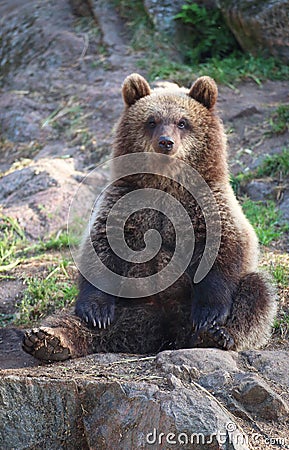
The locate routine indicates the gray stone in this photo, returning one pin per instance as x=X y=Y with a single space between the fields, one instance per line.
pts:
x=112 y=31
x=142 y=414
x=162 y=13
x=284 y=208
x=24 y=35
x=122 y=401
x=222 y=374
x=23 y=183
x=274 y=365
x=258 y=398
x=40 y=413
x=39 y=196
x=259 y=190
x=77 y=405
x=246 y=112
x=259 y=25
x=82 y=8
x=204 y=361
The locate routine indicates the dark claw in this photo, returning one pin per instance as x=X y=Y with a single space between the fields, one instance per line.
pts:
x=96 y=312
x=212 y=336
x=221 y=337
x=204 y=317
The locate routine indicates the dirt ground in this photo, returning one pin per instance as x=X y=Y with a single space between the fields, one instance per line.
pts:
x=61 y=97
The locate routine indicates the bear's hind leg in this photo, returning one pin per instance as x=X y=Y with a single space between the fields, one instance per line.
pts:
x=139 y=328
x=250 y=320
x=253 y=311
x=59 y=338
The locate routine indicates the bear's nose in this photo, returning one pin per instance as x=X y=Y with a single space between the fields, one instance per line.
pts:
x=166 y=143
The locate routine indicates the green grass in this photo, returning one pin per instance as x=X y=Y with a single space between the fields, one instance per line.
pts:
x=239 y=66
x=237 y=181
x=281 y=325
x=230 y=70
x=207 y=34
x=273 y=165
x=59 y=241
x=279 y=121
x=265 y=219
x=41 y=296
x=15 y=248
x=45 y=296
x=12 y=238
x=6 y=319
x=280 y=273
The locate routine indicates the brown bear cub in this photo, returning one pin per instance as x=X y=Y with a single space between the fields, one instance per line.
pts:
x=232 y=307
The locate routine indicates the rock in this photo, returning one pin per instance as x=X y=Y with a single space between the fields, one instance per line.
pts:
x=25 y=37
x=23 y=184
x=206 y=362
x=40 y=413
x=284 y=208
x=39 y=196
x=247 y=112
x=142 y=414
x=178 y=399
x=222 y=374
x=100 y=402
x=273 y=365
x=162 y=14
x=113 y=33
x=11 y=353
x=259 y=25
x=259 y=189
x=82 y=8
x=258 y=398
x=16 y=37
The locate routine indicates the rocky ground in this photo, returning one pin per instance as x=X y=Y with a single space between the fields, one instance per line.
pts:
x=60 y=99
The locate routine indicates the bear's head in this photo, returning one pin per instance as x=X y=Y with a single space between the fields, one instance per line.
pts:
x=174 y=121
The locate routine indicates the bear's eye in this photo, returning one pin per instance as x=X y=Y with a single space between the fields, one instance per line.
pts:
x=182 y=124
x=152 y=123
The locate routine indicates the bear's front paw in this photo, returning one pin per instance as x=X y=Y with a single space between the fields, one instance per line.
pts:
x=205 y=316
x=48 y=344
x=96 y=312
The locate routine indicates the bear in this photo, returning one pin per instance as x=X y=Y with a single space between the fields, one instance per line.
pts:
x=232 y=307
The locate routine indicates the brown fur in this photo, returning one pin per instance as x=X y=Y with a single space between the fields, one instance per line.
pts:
x=234 y=306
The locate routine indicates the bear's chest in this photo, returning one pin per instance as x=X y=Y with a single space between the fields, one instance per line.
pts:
x=172 y=219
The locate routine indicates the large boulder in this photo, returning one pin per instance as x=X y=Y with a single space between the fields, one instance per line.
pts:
x=40 y=195
x=259 y=25
x=190 y=399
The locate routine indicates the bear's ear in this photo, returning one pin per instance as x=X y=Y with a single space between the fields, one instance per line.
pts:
x=134 y=88
x=205 y=91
